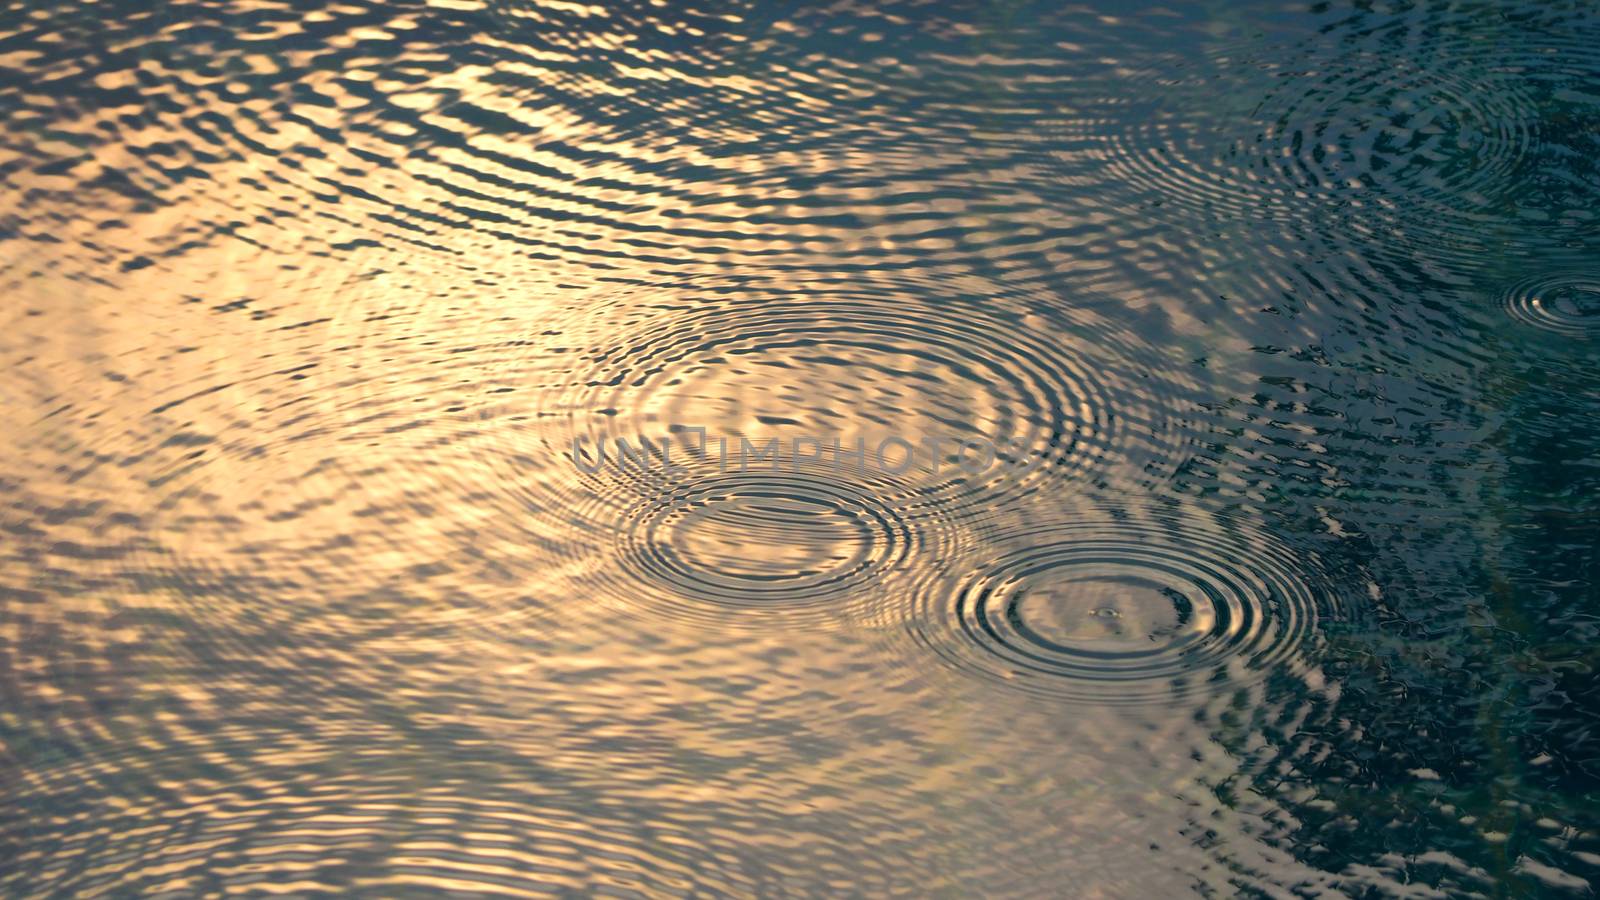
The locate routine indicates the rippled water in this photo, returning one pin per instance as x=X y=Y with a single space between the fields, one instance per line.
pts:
x=1255 y=553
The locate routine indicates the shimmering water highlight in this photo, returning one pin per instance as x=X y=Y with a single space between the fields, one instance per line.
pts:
x=1279 y=316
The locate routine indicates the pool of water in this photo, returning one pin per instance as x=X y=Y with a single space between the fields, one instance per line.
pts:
x=642 y=448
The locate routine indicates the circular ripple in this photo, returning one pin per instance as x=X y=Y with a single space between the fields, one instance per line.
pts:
x=1567 y=304
x=1057 y=396
x=1426 y=144
x=809 y=546
x=1115 y=611
x=1403 y=130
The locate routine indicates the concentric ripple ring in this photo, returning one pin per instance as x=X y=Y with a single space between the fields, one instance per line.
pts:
x=1087 y=403
x=1111 y=611
x=1567 y=304
x=1422 y=148
x=805 y=547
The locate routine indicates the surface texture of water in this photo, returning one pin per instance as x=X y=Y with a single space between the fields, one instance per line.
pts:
x=1280 y=322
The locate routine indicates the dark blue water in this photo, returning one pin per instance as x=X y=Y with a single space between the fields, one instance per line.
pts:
x=845 y=449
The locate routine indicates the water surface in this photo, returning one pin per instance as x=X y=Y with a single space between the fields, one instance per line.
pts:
x=1280 y=321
